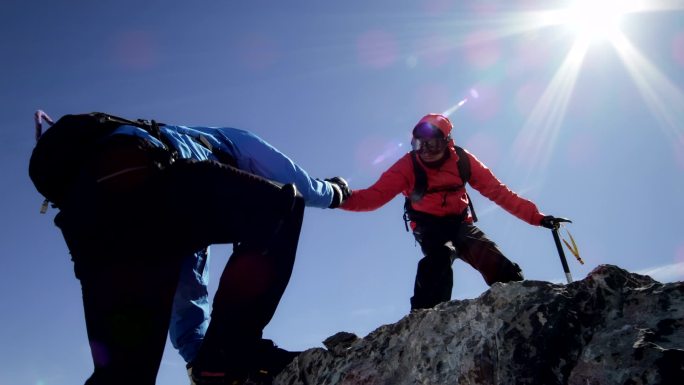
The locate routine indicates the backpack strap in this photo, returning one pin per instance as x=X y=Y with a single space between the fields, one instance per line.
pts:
x=153 y=128
x=420 y=187
x=463 y=164
x=222 y=156
x=464 y=171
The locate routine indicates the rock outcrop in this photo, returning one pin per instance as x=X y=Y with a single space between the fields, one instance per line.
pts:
x=613 y=327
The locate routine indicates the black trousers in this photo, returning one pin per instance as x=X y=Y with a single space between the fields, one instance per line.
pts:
x=441 y=241
x=128 y=236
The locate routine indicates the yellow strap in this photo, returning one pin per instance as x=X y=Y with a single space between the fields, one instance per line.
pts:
x=573 y=248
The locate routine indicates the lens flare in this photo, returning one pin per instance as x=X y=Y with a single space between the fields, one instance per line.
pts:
x=136 y=50
x=660 y=95
x=483 y=49
x=679 y=154
x=377 y=49
x=489 y=102
x=455 y=107
x=258 y=52
x=390 y=152
x=678 y=49
x=595 y=20
x=535 y=142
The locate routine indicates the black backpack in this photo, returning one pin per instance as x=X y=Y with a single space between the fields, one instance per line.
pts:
x=420 y=188
x=63 y=151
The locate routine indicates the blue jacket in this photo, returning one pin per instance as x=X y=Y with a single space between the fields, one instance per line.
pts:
x=251 y=153
x=191 y=308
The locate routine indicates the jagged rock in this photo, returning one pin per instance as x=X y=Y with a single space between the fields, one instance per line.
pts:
x=613 y=327
x=338 y=343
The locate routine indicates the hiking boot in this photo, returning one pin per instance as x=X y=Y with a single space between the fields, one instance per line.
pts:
x=258 y=365
x=270 y=360
x=200 y=376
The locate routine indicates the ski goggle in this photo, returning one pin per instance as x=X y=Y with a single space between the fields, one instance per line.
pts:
x=431 y=145
x=427 y=130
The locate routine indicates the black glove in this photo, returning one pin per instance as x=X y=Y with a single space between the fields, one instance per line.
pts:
x=548 y=221
x=341 y=191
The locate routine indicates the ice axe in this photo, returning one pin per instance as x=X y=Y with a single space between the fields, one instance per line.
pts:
x=561 y=254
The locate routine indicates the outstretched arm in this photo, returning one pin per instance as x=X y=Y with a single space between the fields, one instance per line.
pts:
x=255 y=155
x=398 y=178
x=484 y=181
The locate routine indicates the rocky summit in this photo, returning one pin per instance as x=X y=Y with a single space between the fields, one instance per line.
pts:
x=613 y=327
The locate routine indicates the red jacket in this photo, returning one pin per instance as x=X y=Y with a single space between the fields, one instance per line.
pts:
x=400 y=178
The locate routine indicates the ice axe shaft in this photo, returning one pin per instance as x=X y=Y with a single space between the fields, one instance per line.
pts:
x=561 y=254
x=559 y=246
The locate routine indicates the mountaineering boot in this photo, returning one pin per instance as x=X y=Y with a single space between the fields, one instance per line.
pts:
x=270 y=360
x=265 y=362
x=216 y=372
x=202 y=377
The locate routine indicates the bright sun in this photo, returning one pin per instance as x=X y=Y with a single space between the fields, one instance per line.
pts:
x=592 y=20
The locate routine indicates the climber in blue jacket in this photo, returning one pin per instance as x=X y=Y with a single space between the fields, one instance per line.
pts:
x=138 y=230
x=191 y=307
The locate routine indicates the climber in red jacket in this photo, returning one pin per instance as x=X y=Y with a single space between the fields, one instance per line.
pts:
x=433 y=180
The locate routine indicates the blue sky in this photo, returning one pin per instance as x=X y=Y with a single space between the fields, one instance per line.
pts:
x=586 y=121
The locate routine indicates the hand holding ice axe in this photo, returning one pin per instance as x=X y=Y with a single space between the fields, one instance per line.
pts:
x=554 y=224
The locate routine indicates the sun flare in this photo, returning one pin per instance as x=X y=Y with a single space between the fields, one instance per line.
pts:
x=596 y=20
x=592 y=20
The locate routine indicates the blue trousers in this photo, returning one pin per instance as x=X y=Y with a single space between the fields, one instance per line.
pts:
x=191 y=307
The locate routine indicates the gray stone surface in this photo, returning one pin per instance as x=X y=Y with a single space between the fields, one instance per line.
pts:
x=613 y=327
